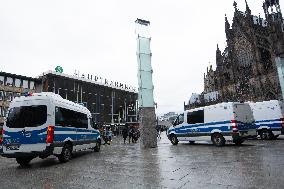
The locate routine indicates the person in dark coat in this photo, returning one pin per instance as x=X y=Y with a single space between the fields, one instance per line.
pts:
x=130 y=133
x=125 y=133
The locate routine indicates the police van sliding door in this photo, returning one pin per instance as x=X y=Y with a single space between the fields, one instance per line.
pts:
x=82 y=130
x=65 y=126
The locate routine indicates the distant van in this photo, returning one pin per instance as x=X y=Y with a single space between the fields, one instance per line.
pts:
x=218 y=123
x=269 y=118
x=45 y=124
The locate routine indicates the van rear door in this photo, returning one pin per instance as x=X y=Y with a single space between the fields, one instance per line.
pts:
x=26 y=127
x=244 y=117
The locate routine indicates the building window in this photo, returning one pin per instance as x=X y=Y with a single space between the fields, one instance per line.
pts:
x=17 y=82
x=17 y=95
x=3 y=111
x=9 y=96
x=1 y=80
x=32 y=85
x=1 y=95
x=25 y=84
x=9 y=81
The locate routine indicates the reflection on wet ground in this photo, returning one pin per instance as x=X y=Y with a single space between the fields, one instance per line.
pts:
x=256 y=164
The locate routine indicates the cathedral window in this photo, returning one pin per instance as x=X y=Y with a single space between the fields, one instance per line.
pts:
x=244 y=56
x=243 y=51
x=265 y=58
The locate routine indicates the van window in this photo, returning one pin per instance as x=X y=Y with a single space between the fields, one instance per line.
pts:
x=27 y=116
x=195 y=117
x=180 y=119
x=69 y=118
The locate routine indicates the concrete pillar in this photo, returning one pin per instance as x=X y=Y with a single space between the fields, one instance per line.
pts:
x=280 y=70
x=147 y=116
x=147 y=122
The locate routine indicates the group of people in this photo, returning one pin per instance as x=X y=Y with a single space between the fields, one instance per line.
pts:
x=131 y=132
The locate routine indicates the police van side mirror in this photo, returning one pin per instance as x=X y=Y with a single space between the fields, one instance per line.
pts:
x=174 y=122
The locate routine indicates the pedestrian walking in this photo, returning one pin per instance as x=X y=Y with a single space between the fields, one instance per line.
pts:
x=109 y=135
x=106 y=136
x=130 y=133
x=136 y=135
x=158 y=128
x=125 y=133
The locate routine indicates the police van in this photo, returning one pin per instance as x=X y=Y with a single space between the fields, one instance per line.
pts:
x=218 y=123
x=44 y=124
x=269 y=118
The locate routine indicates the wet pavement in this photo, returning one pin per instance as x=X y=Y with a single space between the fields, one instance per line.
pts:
x=256 y=164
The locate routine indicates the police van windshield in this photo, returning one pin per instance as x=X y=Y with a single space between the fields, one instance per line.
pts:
x=26 y=116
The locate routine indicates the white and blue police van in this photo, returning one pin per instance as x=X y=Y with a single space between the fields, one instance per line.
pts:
x=269 y=118
x=231 y=121
x=44 y=124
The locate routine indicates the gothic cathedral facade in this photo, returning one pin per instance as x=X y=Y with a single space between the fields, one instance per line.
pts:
x=246 y=69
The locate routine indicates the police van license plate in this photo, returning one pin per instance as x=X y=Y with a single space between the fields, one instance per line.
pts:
x=13 y=147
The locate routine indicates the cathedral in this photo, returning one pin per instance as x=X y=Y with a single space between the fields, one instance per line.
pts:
x=246 y=69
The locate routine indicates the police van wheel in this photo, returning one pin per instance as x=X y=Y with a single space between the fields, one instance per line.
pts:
x=66 y=153
x=174 y=140
x=24 y=161
x=97 y=148
x=191 y=142
x=218 y=139
x=266 y=134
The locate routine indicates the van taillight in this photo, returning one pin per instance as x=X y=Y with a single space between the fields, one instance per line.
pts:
x=234 y=125
x=50 y=134
x=282 y=122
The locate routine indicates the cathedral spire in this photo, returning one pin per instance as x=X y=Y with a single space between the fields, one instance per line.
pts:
x=248 y=11
x=227 y=24
x=235 y=5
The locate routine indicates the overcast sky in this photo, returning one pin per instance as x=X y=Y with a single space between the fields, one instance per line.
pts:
x=98 y=37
